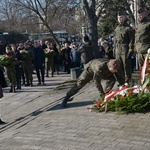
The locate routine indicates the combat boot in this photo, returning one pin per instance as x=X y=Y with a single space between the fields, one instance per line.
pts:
x=64 y=102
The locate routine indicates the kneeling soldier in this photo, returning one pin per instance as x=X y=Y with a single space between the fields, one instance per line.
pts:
x=97 y=70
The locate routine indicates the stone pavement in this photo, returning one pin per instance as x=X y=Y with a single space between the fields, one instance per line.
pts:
x=35 y=121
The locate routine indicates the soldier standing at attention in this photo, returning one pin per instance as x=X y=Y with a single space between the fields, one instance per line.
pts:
x=10 y=70
x=18 y=66
x=27 y=64
x=124 y=45
x=142 y=40
x=97 y=70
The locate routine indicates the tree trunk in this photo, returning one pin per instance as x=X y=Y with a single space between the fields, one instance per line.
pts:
x=94 y=36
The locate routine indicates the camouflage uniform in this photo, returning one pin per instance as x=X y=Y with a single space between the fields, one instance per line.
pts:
x=97 y=70
x=11 y=74
x=27 y=67
x=124 y=45
x=142 y=40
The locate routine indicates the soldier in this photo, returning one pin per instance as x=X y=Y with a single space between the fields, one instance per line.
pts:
x=49 y=60
x=124 y=44
x=10 y=70
x=27 y=64
x=142 y=40
x=18 y=66
x=97 y=69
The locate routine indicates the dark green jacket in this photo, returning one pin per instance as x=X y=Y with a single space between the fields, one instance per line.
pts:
x=124 y=38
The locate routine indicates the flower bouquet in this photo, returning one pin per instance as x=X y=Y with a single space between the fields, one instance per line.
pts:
x=25 y=55
x=126 y=98
x=49 y=53
x=6 y=60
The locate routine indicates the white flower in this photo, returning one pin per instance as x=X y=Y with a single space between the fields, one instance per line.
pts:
x=126 y=84
x=148 y=51
x=136 y=91
x=123 y=93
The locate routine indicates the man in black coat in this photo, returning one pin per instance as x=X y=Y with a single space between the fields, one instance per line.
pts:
x=39 y=62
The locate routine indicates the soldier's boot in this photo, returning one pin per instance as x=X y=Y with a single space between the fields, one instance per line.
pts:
x=13 y=89
x=64 y=102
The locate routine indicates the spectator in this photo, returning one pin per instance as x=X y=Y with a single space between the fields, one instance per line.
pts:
x=76 y=56
x=39 y=62
x=101 y=48
x=86 y=50
x=66 y=55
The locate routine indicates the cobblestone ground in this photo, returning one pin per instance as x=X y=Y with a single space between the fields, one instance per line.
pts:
x=35 y=121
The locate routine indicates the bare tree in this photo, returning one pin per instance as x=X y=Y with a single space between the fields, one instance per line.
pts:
x=46 y=10
x=93 y=10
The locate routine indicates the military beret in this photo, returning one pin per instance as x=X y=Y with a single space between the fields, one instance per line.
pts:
x=121 y=13
x=141 y=10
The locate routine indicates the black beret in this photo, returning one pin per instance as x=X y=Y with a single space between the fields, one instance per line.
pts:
x=141 y=10
x=121 y=13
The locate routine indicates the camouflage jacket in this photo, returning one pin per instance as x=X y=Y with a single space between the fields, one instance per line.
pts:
x=142 y=40
x=124 y=38
x=98 y=68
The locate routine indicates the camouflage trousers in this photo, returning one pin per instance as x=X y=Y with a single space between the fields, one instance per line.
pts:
x=11 y=74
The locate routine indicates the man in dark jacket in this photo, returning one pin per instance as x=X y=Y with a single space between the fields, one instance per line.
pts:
x=66 y=54
x=97 y=70
x=142 y=40
x=39 y=62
